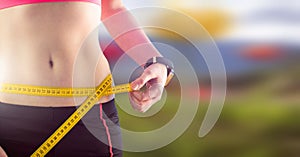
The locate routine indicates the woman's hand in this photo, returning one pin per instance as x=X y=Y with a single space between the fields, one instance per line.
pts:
x=153 y=78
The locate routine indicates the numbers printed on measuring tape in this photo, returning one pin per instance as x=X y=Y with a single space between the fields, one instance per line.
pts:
x=58 y=92
x=94 y=94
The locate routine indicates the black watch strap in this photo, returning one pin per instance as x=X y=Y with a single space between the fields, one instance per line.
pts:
x=164 y=61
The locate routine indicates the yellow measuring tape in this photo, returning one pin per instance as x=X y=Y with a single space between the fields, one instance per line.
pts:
x=104 y=88
x=57 y=91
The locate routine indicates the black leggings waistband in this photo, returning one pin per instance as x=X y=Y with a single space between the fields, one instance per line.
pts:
x=47 y=113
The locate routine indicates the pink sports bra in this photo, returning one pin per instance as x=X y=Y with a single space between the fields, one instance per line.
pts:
x=12 y=3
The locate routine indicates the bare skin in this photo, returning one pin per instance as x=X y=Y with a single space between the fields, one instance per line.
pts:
x=36 y=48
x=2 y=153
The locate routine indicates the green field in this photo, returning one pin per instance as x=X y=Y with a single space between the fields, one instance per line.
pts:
x=258 y=120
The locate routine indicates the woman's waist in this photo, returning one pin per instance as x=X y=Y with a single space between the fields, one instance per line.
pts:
x=46 y=97
x=44 y=101
x=79 y=75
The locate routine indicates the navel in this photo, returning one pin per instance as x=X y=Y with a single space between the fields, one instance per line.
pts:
x=51 y=63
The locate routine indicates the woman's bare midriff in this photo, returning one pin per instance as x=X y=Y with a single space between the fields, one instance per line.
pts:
x=51 y=44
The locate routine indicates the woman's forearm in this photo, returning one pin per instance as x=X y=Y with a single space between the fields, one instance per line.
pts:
x=128 y=35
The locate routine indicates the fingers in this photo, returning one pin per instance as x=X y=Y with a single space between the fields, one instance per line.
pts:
x=156 y=73
x=142 y=101
x=142 y=106
x=142 y=80
x=154 y=77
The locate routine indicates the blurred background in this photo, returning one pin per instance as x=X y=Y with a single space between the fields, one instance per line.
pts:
x=259 y=41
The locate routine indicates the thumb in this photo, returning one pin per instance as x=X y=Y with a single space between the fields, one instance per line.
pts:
x=142 y=80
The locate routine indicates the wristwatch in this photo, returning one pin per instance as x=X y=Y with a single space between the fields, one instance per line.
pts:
x=169 y=65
